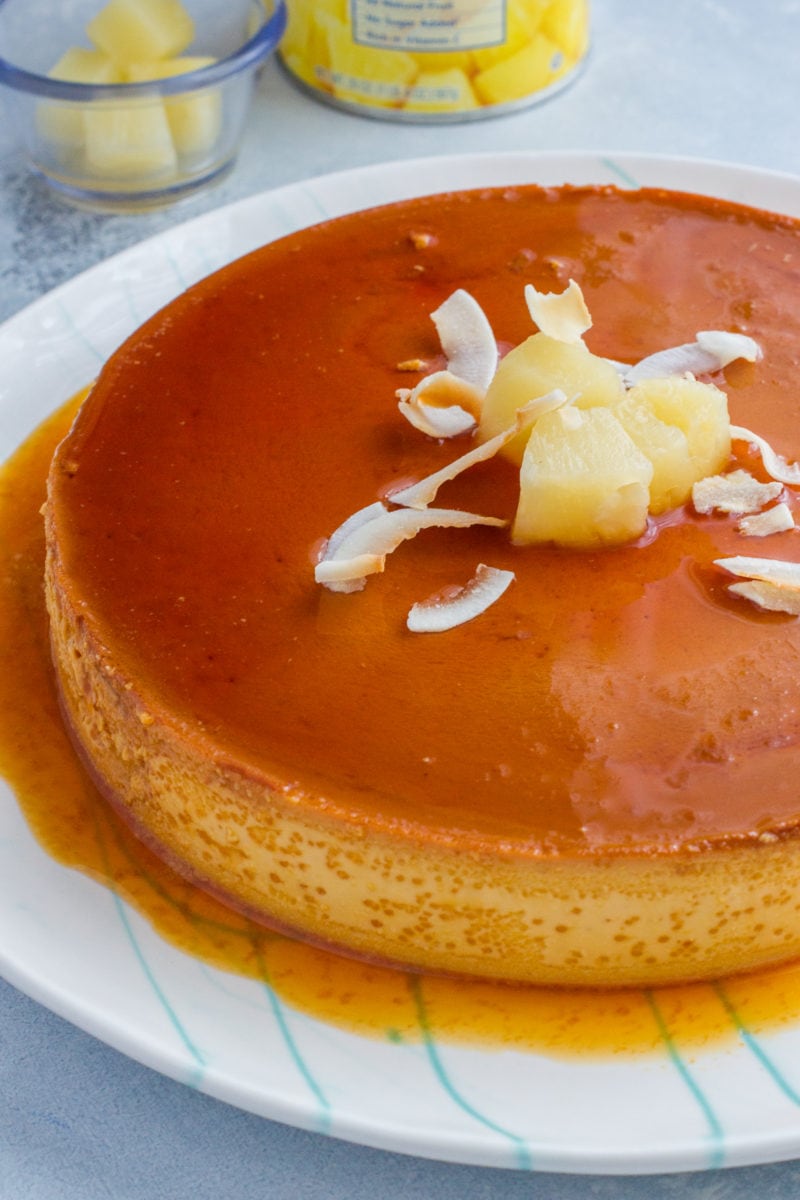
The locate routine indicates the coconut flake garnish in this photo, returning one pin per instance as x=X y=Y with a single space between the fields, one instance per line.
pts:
x=766 y=570
x=774 y=464
x=443 y=612
x=418 y=495
x=355 y=521
x=778 y=519
x=727 y=347
x=770 y=583
x=737 y=492
x=712 y=350
x=442 y=405
x=560 y=315
x=776 y=597
x=348 y=558
x=467 y=339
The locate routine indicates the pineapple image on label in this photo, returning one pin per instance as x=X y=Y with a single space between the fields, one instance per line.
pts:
x=420 y=60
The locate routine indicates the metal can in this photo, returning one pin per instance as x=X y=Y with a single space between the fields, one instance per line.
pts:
x=435 y=60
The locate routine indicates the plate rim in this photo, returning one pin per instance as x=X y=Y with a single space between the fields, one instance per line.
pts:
x=773 y=1145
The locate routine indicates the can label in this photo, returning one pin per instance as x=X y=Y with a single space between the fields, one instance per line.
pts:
x=438 y=59
x=426 y=25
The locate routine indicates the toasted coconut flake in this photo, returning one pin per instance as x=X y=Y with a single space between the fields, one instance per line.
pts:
x=767 y=570
x=467 y=339
x=436 y=422
x=727 y=347
x=446 y=611
x=441 y=405
x=738 y=492
x=351 y=572
x=778 y=519
x=774 y=597
x=774 y=464
x=418 y=495
x=340 y=581
x=560 y=315
x=349 y=557
x=770 y=583
x=688 y=359
x=359 y=518
x=713 y=350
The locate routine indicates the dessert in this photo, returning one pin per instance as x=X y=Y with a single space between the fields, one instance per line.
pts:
x=591 y=782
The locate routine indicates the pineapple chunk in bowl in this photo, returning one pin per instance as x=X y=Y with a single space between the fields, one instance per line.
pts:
x=123 y=105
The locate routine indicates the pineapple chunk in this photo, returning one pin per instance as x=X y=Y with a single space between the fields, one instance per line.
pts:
x=60 y=121
x=698 y=411
x=141 y=72
x=132 y=31
x=515 y=78
x=534 y=368
x=523 y=18
x=667 y=448
x=79 y=65
x=194 y=120
x=304 y=46
x=359 y=72
x=129 y=140
x=583 y=482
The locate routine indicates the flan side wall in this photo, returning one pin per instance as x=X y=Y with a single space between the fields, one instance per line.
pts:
x=608 y=921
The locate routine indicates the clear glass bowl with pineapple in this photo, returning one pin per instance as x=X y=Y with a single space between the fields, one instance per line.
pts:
x=128 y=104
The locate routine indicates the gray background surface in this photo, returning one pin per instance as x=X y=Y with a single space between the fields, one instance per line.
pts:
x=702 y=78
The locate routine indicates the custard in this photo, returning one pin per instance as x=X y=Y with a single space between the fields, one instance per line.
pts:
x=591 y=783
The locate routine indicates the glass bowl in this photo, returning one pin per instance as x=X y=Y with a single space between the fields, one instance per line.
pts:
x=125 y=146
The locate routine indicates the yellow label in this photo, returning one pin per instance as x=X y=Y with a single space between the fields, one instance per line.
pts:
x=424 y=25
x=434 y=57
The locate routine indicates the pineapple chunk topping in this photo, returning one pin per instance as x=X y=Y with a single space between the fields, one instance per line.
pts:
x=534 y=368
x=582 y=484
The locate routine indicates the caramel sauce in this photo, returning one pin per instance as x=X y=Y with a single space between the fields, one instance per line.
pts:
x=77 y=828
x=235 y=431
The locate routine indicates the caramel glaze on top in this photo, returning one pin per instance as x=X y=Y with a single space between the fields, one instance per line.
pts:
x=617 y=699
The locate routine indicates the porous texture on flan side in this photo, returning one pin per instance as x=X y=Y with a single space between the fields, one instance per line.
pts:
x=596 y=782
x=603 y=920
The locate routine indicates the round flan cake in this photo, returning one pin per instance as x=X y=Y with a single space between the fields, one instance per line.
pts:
x=593 y=782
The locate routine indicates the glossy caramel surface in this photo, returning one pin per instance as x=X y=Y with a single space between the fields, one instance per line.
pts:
x=79 y=829
x=609 y=700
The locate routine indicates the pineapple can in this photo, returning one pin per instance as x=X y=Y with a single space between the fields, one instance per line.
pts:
x=435 y=60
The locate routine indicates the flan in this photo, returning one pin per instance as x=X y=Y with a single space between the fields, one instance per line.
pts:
x=595 y=781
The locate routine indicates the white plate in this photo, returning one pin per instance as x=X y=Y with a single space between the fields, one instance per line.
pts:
x=76 y=948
